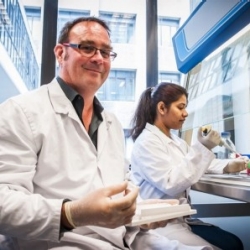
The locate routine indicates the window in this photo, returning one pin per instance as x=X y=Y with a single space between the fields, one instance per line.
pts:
x=169 y=77
x=120 y=86
x=122 y=27
x=167 y=27
x=33 y=15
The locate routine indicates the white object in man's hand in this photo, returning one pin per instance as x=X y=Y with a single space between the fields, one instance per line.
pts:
x=157 y=224
x=210 y=140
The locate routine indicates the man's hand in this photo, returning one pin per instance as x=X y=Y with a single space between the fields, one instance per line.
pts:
x=98 y=208
x=211 y=140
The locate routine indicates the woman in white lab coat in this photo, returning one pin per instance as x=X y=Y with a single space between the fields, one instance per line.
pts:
x=165 y=166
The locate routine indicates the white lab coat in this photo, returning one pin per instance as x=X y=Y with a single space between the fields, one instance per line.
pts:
x=166 y=168
x=46 y=156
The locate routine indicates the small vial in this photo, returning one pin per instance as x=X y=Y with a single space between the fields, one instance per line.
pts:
x=248 y=168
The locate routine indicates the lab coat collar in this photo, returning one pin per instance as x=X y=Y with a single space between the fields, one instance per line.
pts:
x=174 y=139
x=62 y=105
x=60 y=102
x=157 y=131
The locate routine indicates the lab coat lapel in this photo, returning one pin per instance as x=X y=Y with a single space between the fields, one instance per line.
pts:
x=60 y=102
x=103 y=157
x=103 y=132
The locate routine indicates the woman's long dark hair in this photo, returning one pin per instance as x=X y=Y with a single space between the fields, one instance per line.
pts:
x=146 y=108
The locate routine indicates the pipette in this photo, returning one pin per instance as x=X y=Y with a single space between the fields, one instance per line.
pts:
x=206 y=129
x=223 y=143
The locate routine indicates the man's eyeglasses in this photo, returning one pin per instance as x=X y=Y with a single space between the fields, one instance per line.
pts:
x=89 y=50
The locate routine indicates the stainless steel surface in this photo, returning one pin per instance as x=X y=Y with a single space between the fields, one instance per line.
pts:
x=230 y=186
x=236 y=187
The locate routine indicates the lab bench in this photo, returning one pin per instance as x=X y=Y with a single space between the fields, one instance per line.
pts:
x=235 y=187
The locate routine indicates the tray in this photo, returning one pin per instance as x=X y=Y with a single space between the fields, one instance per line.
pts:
x=148 y=213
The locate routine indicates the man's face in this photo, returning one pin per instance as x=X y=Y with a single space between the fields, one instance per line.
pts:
x=83 y=73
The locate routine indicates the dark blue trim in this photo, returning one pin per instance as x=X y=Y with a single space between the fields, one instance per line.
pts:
x=235 y=20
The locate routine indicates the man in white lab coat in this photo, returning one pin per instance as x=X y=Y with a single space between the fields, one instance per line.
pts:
x=62 y=158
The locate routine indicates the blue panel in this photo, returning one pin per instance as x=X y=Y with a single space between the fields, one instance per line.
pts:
x=211 y=24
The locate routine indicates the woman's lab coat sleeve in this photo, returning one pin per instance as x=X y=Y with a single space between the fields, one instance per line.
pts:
x=165 y=167
x=217 y=166
x=22 y=213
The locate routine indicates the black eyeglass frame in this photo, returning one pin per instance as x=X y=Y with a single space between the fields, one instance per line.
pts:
x=110 y=54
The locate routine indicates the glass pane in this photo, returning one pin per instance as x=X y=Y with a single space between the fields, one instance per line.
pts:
x=224 y=99
x=118 y=87
x=122 y=26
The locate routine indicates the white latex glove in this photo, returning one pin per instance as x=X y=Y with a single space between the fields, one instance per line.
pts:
x=99 y=209
x=236 y=165
x=211 y=140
